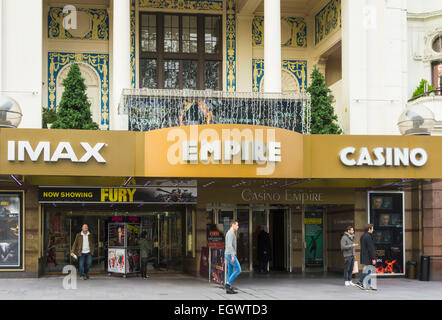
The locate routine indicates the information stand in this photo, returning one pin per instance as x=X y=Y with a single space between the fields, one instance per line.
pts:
x=124 y=250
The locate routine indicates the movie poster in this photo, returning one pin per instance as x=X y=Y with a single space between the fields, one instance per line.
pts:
x=386 y=214
x=10 y=230
x=217 y=266
x=314 y=239
x=116 y=232
x=215 y=236
x=116 y=260
x=133 y=260
x=204 y=262
x=133 y=234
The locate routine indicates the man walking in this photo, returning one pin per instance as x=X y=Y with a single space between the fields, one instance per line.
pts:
x=233 y=266
x=145 y=253
x=368 y=254
x=83 y=248
x=264 y=250
x=348 y=250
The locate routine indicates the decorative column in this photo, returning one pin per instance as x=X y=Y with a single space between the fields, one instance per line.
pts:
x=272 y=46
x=121 y=59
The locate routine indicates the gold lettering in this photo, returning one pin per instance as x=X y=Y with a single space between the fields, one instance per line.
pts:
x=122 y=195
x=113 y=195
x=104 y=194
x=131 y=193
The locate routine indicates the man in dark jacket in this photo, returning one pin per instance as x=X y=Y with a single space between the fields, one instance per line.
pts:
x=264 y=250
x=368 y=253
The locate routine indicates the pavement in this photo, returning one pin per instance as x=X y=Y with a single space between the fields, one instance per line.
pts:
x=185 y=287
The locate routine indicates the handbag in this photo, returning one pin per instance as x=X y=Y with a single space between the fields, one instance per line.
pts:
x=355 y=267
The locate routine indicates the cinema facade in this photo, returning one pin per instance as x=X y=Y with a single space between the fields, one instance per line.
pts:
x=174 y=181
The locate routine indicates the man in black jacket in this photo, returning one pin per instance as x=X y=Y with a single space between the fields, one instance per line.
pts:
x=368 y=253
x=264 y=249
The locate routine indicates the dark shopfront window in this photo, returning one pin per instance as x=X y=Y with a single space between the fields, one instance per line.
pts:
x=180 y=51
x=164 y=229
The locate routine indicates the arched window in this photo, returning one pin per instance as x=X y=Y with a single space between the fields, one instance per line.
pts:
x=288 y=82
x=437 y=44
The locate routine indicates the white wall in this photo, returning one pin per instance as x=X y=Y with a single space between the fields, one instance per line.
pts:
x=339 y=106
x=422 y=28
x=21 y=57
x=421 y=6
x=374 y=64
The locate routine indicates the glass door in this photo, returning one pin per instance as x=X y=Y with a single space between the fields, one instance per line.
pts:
x=225 y=218
x=243 y=238
x=76 y=224
x=259 y=223
x=164 y=232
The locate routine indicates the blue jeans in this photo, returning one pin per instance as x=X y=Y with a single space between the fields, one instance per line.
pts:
x=85 y=257
x=233 y=268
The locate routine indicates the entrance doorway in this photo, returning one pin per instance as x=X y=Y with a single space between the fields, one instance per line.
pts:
x=253 y=219
x=278 y=241
x=165 y=232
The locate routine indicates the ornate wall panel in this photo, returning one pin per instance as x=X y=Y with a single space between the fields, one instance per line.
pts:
x=231 y=44
x=294 y=32
x=297 y=68
x=327 y=20
x=99 y=62
x=98 y=24
x=132 y=44
x=182 y=4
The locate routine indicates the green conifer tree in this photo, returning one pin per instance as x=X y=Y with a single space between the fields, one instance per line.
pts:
x=74 y=109
x=323 y=118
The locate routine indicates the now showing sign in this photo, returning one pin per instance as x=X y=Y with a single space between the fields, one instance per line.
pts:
x=20 y=150
x=383 y=157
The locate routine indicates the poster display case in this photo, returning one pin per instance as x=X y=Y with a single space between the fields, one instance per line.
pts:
x=11 y=237
x=386 y=213
x=124 y=250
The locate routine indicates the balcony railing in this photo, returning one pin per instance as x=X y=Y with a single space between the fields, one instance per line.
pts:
x=435 y=92
x=150 y=109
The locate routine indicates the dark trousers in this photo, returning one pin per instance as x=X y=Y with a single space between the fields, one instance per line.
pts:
x=263 y=264
x=85 y=263
x=144 y=262
x=348 y=267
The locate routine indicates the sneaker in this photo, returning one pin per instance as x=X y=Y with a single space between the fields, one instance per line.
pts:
x=84 y=278
x=87 y=276
x=352 y=284
x=347 y=283
x=360 y=286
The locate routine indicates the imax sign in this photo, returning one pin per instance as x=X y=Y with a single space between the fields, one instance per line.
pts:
x=63 y=151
